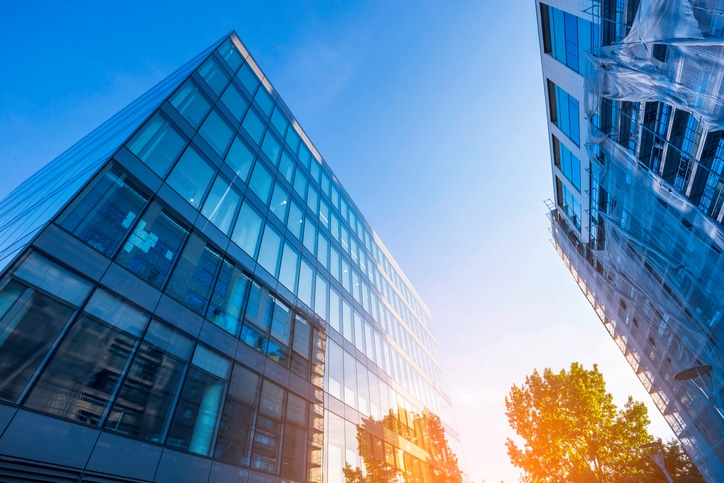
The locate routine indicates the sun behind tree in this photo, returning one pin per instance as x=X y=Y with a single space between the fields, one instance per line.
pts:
x=571 y=429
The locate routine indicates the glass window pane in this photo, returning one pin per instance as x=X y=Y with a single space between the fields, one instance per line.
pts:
x=217 y=132
x=221 y=204
x=295 y=222
x=211 y=361
x=281 y=322
x=240 y=158
x=114 y=311
x=302 y=337
x=248 y=78
x=51 y=277
x=153 y=246
x=232 y=444
x=78 y=381
x=191 y=103
x=247 y=229
x=265 y=454
x=157 y=144
x=253 y=125
x=214 y=75
x=279 y=121
x=191 y=176
x=310 y=236
x=271 y=147
x=272 y=400
x=31 y=323
x=194 y=275
x=320 y=297
x=304 y=155
x=322 y=249
x=261 y=182
x=315 y=170
x=293 y=139
x=231 y=54
x=265 y=101
x=235 y=101
x=312 y=199
x=228 y=299
x=286 y=167
x=146 y=395
x=288 y=268
x=304 y=287
x=269 y=250
x=103 y=214
x=279 y=202
x=300 y=184
x=192 y=427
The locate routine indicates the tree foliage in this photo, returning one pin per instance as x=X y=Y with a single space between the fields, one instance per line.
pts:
x=382 y=466
x=571 y=429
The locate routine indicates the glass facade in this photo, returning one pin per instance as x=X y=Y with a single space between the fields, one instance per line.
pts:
x=210 y=297
x=637 y=216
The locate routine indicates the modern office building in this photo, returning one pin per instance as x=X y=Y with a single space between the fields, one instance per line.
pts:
x=634 y=99
x=188 y=295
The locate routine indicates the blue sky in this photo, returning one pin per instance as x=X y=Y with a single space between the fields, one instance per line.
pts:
x=430 y=113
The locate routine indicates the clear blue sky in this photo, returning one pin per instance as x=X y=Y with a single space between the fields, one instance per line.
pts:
x=431 y=115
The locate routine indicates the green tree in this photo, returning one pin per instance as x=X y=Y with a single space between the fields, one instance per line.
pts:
x=571 y=429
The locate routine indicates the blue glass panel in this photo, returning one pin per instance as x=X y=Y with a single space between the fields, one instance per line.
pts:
x=191 y=176
x=247 y=229
x=235 y=101
x=261 y=182
x=217 y=132
x=191 y=103
x=253 y=125
x=248 y=78
x=240 y=158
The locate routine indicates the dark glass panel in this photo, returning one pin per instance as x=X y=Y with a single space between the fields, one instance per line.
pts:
x=232 y=444
x=229 y=297
x=194 y=275
x=104 y=213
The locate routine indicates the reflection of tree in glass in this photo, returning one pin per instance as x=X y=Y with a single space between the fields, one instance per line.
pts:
x=385 y=463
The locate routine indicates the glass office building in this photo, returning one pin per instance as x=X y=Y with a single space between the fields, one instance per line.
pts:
x=189 y=295
x=634 y=99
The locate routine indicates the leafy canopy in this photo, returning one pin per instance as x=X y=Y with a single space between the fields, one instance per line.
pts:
x=571 y=430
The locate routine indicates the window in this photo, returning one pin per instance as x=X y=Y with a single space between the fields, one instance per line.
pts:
x=267 y=436
x=192 y=427
x=240 y=158
x=231 y=54
x=271 y=147
x=221 y=205
x=235 y=101
x=567 y=37
x=30 y=322
x=217 y=132
x=292 y=139
x=569 y=164
x=157 y=144
x=261 y=182
x=191 y=176
x=104 y=213
x=279 y=202
x=247 y=229
x=214 y=75
x=295 y=222
x=228 y=298
x=147 y=393
x=288 y=268
x=563 y=110
x=265 y=101
x=253 y=125
x=304 y=287
x=153 y=246
x=191 y=103
x=80 y=378
x=279 y=121
x=269 y=250
x=232 y=444
x=194 y=275
x=568 y=201
x=248 y=78
x=286 y=167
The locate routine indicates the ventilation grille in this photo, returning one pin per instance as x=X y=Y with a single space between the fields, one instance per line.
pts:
x=21 y=471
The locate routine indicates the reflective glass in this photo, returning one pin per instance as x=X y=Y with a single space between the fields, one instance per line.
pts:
x=300 y=184
x=231 y=54
x=240 y=158
x=269 y=250
x=194 y=275
x=313 y=199
x=103 y=214
x=279 y=120
x=315 y=170
x=146 y=395
x=253 y=125
x=293 y=139
x=114 y=311
x=286 y=167
x=265 y=101
x=51 y=277
x=310 y=236
x=217 y=132
x=261 y=182
x=247 y=229
x=152 y=247
x=295 y=222
x=281 y=322
x=157 y=144
x=322 y=249
x=191 y=176
x=320 y=297
x=248 y=78
x=232 y=444
x=214 y=75
x=288 y=268
x=271 y=147
x=79 y=380
x=235 y=101
x=228 y=298
x=279 y=202
x=191 y=103
x=221 y=204
x=31 y=323
x=304 y=287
